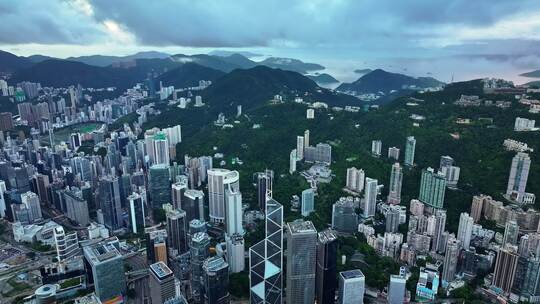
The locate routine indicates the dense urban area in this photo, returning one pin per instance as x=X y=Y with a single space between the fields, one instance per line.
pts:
x=258 y=185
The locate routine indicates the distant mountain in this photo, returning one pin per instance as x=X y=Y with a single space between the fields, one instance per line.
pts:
x=103 y=61
x=323 y=78
x=213 y=62
x=532 y=74
x=10 y=63
x=534 y=83
x=385 y=82
x=240 y=60
x=229 y=53
x=252 y=87
x=363 y=71
x=291 y=65
x=188 y=75
x=39 y=58
x=63 y=73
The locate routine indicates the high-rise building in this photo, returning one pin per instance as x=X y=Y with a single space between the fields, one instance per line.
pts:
x=326 y=271
x=321 y=153
x=308 y=201
x=193 y=204
x=3 y=205
x=452 y=176
x=159 y=185
x=41 y=183
x=505 y=268
x=396 y=178
x=31 y=202
x=235 y=253
x=477 y=206
x=519 y=173
x=67 y=244
x=161 y=149
x=451 y=256
x=76 y=207
x=410 y=147
x=396 y=289
x=432 y=188
x=107 y=269
x=266 y=259
x=292 y=161
x=199 y=249
x=300 y=147
x=438 y=242
x=177 y=229
x=351 y=287
x=370 y=197
x=376 y=147
x=233 y=212
x=177 y=192
x=220 y=180
x=161 y=283
x=136 y=213
x=511 y=232
x=156 y=245
x=344 y=217
x=464 y=234
x=355 y=179
x=393 y=153
x=392 y=219
x=301 y=261
x=110 y=204
x=306 y=138
x=216 y=280
x=264 y=183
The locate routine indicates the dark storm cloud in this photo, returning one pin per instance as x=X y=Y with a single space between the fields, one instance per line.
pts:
x=366 y=24
x=46 y=22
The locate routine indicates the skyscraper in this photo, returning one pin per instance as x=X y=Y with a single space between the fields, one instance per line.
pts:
x=511 y=232
x=177 y=192
x=156 y=245
x=396 y=178
x=109 y=196
x=216 y=280
x=136 y=213
x=505 y=268
x=177 y=229
x=76 y=207
x=410 y=147
x=233 y=212
x=159 y=185
x=3 y=205
x=432 y=188
x=292 y=161
x=326 y=270
x=392 y=219
x=194 y=204
x=370 y=197
x=235 y=252
x=396 y=289
x=220 y=180
x=438 y=241
x=351 y=287
x=161 y=149
x=107 y=269
x=264 y=183
x=266 y=259
x=161 y=283
x=355 y=179
x=519 y=173
x=451 y=256
x=393 y=153
x=67 y=244
x=199 y=248
x=308 y=201
x=300 y=147
x=376 y=147
x=31 y=201
x=301 y=261
x=464 y=234
x=306 y=138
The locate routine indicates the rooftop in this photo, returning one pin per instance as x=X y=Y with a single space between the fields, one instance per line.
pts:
x=351 y=274
x=160 y=270
x=300 y=226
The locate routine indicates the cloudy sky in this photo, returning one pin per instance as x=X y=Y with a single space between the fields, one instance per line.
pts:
x=409 y=35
